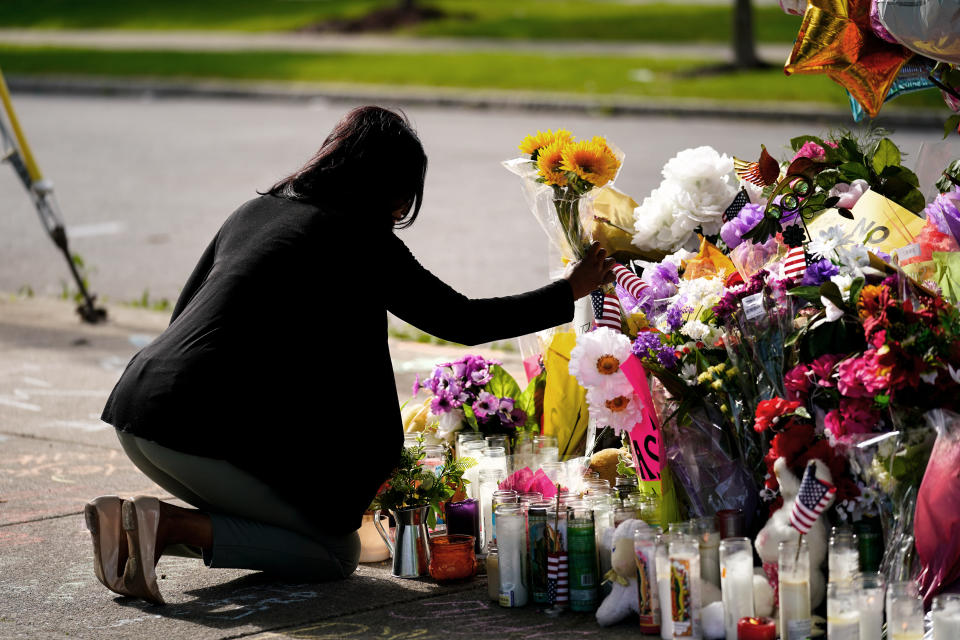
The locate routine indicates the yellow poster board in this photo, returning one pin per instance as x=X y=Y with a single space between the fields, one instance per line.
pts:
x=878 y=223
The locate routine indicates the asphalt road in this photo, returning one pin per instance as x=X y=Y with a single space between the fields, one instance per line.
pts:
x=144 y=183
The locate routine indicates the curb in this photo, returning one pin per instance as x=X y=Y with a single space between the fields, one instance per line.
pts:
x=924 y=119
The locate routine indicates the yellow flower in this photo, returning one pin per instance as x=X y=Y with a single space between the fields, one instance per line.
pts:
x=549 y=161
x=532 y=144
x=593 y=162
x=414 y=416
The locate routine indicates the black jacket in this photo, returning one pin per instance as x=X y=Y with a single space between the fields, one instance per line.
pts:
x=276 y=357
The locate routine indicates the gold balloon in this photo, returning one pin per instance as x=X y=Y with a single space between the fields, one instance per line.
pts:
x=835 y=38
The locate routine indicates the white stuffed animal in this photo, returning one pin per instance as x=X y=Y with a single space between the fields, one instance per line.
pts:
x=623 y=596
x=778 y=529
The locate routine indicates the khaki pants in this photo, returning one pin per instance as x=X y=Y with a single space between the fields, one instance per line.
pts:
x=253 y=528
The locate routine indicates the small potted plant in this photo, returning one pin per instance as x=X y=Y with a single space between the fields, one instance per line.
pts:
x=414 y=496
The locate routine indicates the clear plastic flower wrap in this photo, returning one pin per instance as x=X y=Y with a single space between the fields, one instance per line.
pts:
x=560 y=177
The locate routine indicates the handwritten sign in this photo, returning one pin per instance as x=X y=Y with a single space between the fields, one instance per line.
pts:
x=645 y=435
x=878 y=223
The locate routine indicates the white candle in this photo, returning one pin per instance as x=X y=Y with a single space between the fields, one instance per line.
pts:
x=844 y=626
x=512 y=549
x=663 y=591
x=946 y=617
x=871 y=613
x=843 y=564
x=794 y=609
x=710 y=557
x=736 y=582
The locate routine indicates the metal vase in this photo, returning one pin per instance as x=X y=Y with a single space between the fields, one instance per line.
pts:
x=411 y=550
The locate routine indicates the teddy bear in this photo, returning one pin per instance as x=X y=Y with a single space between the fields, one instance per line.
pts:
x=778 y=529
x=622 y=598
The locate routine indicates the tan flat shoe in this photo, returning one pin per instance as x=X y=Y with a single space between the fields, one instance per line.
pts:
x=141 y=517
x=103 y=517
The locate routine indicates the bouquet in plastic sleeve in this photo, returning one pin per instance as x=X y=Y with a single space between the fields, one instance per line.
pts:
x=558 y=172
x=937 y=521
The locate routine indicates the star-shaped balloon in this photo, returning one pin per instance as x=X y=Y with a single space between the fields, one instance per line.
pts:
x=835 y=38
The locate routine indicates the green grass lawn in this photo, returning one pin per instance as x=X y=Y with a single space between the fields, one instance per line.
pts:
x=590 y=75
x=522 y=19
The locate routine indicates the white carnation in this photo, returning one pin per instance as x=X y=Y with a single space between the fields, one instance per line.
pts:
x=696 y=189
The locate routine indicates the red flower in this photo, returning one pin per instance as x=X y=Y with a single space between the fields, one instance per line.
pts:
x=769 y=412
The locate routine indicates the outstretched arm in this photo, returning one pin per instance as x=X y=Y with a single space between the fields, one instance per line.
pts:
x=417 y=296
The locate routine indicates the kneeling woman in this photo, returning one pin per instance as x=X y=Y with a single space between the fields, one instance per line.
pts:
x=269 y=402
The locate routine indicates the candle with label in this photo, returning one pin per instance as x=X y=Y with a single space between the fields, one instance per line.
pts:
x=645 y=550
x=685 y=587
x=512 y=546
x=663 y=585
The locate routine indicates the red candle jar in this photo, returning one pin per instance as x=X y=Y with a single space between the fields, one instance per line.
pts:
x=756 y=629
x=452 y=558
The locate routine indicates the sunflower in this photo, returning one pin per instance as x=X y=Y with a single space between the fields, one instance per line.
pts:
x=592 y=161
x=548 y=162
x=533 y=144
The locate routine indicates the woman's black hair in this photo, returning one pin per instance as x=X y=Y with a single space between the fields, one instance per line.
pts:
x=372 y=159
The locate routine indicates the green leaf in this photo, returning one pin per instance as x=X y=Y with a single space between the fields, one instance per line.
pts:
x=807 y=293
x=854 y=171
x=831 y=292
x=799 y=141
x=951 y=125
x=850 y=150
x=909 y=176
x=895 y=188
x=885 y=154
x=470 y=417
x=827 y=178
x=502 y=383
x=913 y=201
x=855 y=288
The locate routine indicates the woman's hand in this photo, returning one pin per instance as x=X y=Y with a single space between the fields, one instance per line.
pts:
x=592 y=271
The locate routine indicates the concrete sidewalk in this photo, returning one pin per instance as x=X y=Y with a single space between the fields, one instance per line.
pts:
x=55 y=454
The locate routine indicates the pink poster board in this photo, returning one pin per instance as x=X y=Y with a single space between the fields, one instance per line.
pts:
x=645 y=435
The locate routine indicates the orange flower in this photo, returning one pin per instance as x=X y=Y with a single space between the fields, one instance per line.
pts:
x=549 y=162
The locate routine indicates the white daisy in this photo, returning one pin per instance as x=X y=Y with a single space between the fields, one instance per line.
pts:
x=618 y=411
x=595 y=361
x=827 y=241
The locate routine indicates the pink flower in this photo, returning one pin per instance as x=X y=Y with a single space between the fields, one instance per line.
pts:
x=858 y=415
x=822 y=368
x=862 y=377
x=811 y=150
x=797 y=382
x=832 y=422
x=849 y=193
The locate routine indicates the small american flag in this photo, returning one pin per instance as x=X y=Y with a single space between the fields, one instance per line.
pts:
x=626 y=279
x=796 y=263
x=814 y=496
x=606 y=309
x=558 y=578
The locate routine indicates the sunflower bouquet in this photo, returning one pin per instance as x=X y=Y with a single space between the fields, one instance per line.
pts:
x=558 y=171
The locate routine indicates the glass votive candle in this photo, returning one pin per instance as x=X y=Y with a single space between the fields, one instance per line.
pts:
x=546 y=449
x=684 y=556
x=843 y=611
x=904 y=611
x=512 y=548
x=843 y=557
x=625 y=485
x=731 y=523
x=472 y=449
x=452 y=557
x=709 y=539
x=645 y=552
x=553 y=470
x=946 y=616
x=756 y=629
x=871 y=588
x=432 y=457
x=467 y=436
x=498 y=441
x=794 y=582
x=463 y=518
x=494 y=458
x=663 y=584
x=736 y=582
